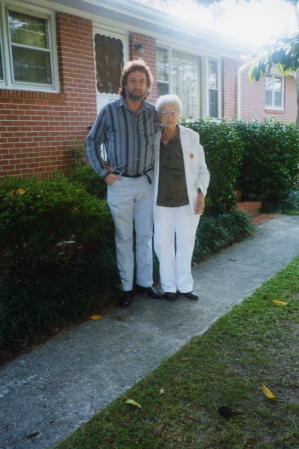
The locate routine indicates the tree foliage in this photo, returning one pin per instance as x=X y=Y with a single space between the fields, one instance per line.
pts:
x=284 y=53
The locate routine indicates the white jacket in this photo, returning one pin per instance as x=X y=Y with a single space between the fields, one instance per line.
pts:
x=196 y=171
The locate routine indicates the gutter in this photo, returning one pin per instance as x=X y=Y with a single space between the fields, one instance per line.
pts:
x=240 y=71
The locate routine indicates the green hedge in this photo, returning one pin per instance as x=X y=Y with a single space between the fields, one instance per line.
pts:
x=223 y=150
x=270 y=165
x=48 y=221
x=87 y=177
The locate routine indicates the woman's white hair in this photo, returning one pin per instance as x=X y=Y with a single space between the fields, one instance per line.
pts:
x=168 y=99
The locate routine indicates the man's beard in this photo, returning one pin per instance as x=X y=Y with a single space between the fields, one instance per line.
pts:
x=135 y=98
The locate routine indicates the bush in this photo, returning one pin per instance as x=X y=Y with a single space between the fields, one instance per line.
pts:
x=223 y=150
x=45 y=222
x=269 y=169
x=216 y=232
x=87 y=177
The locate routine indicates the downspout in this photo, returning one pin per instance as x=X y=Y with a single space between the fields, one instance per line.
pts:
x=240 y=70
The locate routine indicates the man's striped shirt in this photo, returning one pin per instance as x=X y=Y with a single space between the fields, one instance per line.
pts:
x=127 y=138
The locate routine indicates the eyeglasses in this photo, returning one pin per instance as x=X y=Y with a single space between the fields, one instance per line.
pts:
x=168 y=113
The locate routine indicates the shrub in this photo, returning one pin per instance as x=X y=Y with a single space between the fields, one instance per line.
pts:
x=216 y=232
x=87 y=177
x=269 y=169
x=48 y=221
x=223 y=150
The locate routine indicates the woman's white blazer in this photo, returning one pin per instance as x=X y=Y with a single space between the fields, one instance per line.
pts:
x=196 y=171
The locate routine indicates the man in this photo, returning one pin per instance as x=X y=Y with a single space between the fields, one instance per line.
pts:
x=126 y=128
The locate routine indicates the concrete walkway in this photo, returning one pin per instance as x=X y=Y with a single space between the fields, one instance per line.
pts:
x=46 y=394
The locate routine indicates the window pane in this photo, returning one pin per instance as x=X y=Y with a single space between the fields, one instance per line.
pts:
x=278 y=99
x=268 y=97
x=109 y=63
x=162 y=64
x=28 y=30
x=31 y=66
x=278 y=84
x=185 y=81
x=213 y=83
x=269 y=82
x=1 y=66
x=213 y=103
x=163 y=88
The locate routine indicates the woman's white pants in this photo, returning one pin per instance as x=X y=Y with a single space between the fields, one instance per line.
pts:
x=174 y=238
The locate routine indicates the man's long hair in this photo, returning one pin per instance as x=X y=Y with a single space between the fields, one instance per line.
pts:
x=130 y=67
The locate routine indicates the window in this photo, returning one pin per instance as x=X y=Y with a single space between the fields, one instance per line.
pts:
x=274 y=91
x=179 y=73
x=162 y=71
x=213 y=88
x=1 y=59
x=29 y=49
x=185 y=81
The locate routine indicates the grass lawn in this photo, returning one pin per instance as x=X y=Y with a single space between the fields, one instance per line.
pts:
x=256 y=343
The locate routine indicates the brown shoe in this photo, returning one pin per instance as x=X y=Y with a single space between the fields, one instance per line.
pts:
x=190 y=295
x=170 y=296
x=125 y=298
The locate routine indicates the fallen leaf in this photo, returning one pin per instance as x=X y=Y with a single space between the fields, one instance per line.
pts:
x=20 y=191
x=96 y=317
x=132 y=402
x=279 y=303
x=32 y=435
x=268 y=393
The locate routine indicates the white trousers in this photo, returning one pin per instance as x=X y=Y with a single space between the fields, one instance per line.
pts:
x=174 y=238
x=131 y=205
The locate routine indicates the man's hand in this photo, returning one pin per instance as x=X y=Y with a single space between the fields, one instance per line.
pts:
x=111 y=178
x=200 y=204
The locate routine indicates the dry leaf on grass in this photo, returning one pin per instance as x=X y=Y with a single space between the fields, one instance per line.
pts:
x=132 y=402
x=268 y=393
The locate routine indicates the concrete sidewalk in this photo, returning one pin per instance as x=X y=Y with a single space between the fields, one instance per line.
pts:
x=48 y=393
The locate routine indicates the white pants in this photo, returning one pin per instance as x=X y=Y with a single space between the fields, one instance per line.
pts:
x=174 y=237
x=131 y=203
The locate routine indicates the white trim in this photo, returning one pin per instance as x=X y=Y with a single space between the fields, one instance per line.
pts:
x=49 y=15
x=132 y=16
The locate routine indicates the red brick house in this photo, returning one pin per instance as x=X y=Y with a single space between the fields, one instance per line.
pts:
x=60 y=62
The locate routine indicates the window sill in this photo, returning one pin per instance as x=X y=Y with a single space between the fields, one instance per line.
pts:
x=274 y=111
x=31 y=95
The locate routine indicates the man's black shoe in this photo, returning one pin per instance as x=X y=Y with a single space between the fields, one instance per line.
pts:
x=150 y=291
x=190 y=295
x=170 y=296
x=125 y=298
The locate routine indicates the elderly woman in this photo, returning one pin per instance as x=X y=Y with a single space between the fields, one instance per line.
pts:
x=180 y=185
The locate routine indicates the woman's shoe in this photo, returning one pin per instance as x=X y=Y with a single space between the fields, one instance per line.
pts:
x=170 y=296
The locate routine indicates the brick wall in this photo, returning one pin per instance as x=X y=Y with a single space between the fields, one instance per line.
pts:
x=37 y=128
x=144 y=47
x=253 y=100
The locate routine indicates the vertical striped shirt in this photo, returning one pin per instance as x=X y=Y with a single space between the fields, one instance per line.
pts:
x=123 y=139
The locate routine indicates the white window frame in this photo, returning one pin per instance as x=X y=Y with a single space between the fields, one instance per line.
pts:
x=7 y=62
x=217 y=60
x=273 y=107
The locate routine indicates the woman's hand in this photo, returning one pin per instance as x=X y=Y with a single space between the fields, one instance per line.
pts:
x=200 y=204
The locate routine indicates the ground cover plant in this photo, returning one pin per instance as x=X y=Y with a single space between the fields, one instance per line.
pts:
x=210 y=394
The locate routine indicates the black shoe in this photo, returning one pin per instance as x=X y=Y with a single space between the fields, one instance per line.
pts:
x=190 y=295
x=170 y=296
x=125 y=298
x=150 y=291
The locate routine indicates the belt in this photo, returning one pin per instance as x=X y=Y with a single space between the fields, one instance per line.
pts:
x=138 y=176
